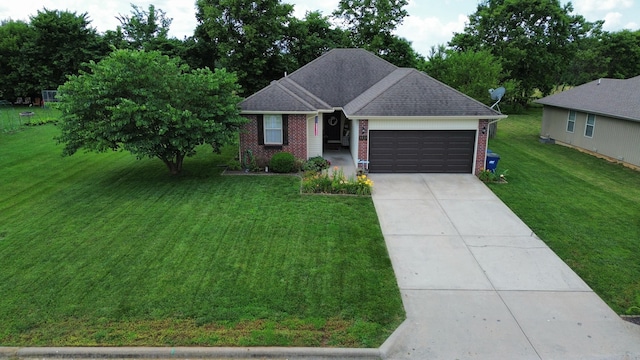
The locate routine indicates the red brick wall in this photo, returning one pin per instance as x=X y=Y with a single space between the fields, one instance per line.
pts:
x=297 y=139
x=363 y=143
x=482 y=145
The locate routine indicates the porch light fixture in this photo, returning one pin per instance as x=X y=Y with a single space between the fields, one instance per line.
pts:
x=484 y=129
x=364 y=130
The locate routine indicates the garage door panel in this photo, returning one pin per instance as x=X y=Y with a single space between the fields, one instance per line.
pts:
x=421 y=151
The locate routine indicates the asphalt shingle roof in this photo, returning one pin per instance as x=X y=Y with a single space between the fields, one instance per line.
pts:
x=363 y=84
x=611 y=97
x=409 y=92
x=277 y=98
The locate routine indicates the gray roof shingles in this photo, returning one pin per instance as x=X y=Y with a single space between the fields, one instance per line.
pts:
x=276 y=98
x=610 y=97
x=409 y=92
x=363 y=85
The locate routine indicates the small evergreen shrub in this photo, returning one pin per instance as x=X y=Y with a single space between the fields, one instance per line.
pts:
x=282 y=162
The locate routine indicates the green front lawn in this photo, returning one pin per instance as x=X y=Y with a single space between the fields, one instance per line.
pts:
x=104 y=249
x=585 y=208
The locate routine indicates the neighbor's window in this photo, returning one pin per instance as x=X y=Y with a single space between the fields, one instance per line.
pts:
x=273 y=129
x=591 y=124
x=571 y=122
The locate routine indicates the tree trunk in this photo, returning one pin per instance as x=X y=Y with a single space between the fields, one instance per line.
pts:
x=175 y=167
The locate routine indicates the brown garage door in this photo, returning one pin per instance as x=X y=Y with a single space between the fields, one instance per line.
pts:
x=421 y=151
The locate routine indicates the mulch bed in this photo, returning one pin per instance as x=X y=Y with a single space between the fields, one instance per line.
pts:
x=635 y=319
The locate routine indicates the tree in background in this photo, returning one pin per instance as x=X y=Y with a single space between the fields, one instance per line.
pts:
x=623 y=48
x=590 y=62
x=14 y=62
x=63 y=41
x=470 y=72
x=149 y=30
x=397 y=51
x=536 y=39
x=249 y=37
x=371 y=23
x=145 y=30
x=369 y=20
x=39 y=55
x=150 y=105
x=311 y=37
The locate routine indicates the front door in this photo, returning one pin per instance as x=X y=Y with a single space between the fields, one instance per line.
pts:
x=332 y=127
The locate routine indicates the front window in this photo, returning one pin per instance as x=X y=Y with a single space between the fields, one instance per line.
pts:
x=273 y=129
x=571 y=122
x=591 y=124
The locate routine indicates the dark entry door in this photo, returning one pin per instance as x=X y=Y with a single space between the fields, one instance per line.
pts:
x=332 y=127
x=421 y=151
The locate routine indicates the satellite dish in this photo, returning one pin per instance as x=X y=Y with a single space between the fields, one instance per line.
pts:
x=497 y=94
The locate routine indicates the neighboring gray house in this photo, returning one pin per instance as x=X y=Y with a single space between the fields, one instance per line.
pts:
x=601 y=117
x=397 y=119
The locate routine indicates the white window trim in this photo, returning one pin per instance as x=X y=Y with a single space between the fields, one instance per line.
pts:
x=593 y=126
x=570 y=120
x=265 y=129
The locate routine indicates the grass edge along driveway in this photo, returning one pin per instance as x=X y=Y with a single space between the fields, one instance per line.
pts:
x=585 y=208
x=106 y=250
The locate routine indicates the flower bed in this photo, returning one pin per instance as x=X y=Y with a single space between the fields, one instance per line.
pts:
x=335 y=182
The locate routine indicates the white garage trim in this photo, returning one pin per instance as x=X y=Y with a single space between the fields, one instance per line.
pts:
x=421 y=124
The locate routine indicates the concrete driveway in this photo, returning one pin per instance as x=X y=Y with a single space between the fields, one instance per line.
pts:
x=477 y=283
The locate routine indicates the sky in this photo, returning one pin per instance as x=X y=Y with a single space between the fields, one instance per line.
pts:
x=430 y=22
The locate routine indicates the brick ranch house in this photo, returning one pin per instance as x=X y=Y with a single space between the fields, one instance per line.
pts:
x=396 y=119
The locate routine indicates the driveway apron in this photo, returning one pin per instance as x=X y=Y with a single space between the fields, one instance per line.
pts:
x=477 y=283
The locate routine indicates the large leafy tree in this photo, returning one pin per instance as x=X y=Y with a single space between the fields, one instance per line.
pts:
x=311 y=37
x=62 y=42
x=149 y=30
x=535 y=38
x=590 y=62
x=14 y=62
x=623 y=49
x=397 y=51
x=145 y=29
x=371 y=23
x=471 y=72
x=150 y=105
x=249 y=37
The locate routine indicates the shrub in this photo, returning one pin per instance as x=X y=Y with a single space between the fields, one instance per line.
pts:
x=234 y=165
x=487 y=176
x=335 y=183
x=282 y=162
x=316 y=164
x=249 y=162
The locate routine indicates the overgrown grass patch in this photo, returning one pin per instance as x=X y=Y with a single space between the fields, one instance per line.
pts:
x=104 y=249
x=585 y=208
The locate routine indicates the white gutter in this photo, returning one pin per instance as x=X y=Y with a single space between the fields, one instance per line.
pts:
x=387 y=117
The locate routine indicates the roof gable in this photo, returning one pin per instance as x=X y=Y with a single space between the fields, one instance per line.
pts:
x=341 y=75
x=409 y=92
x=611 y=97
x=276 y=98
